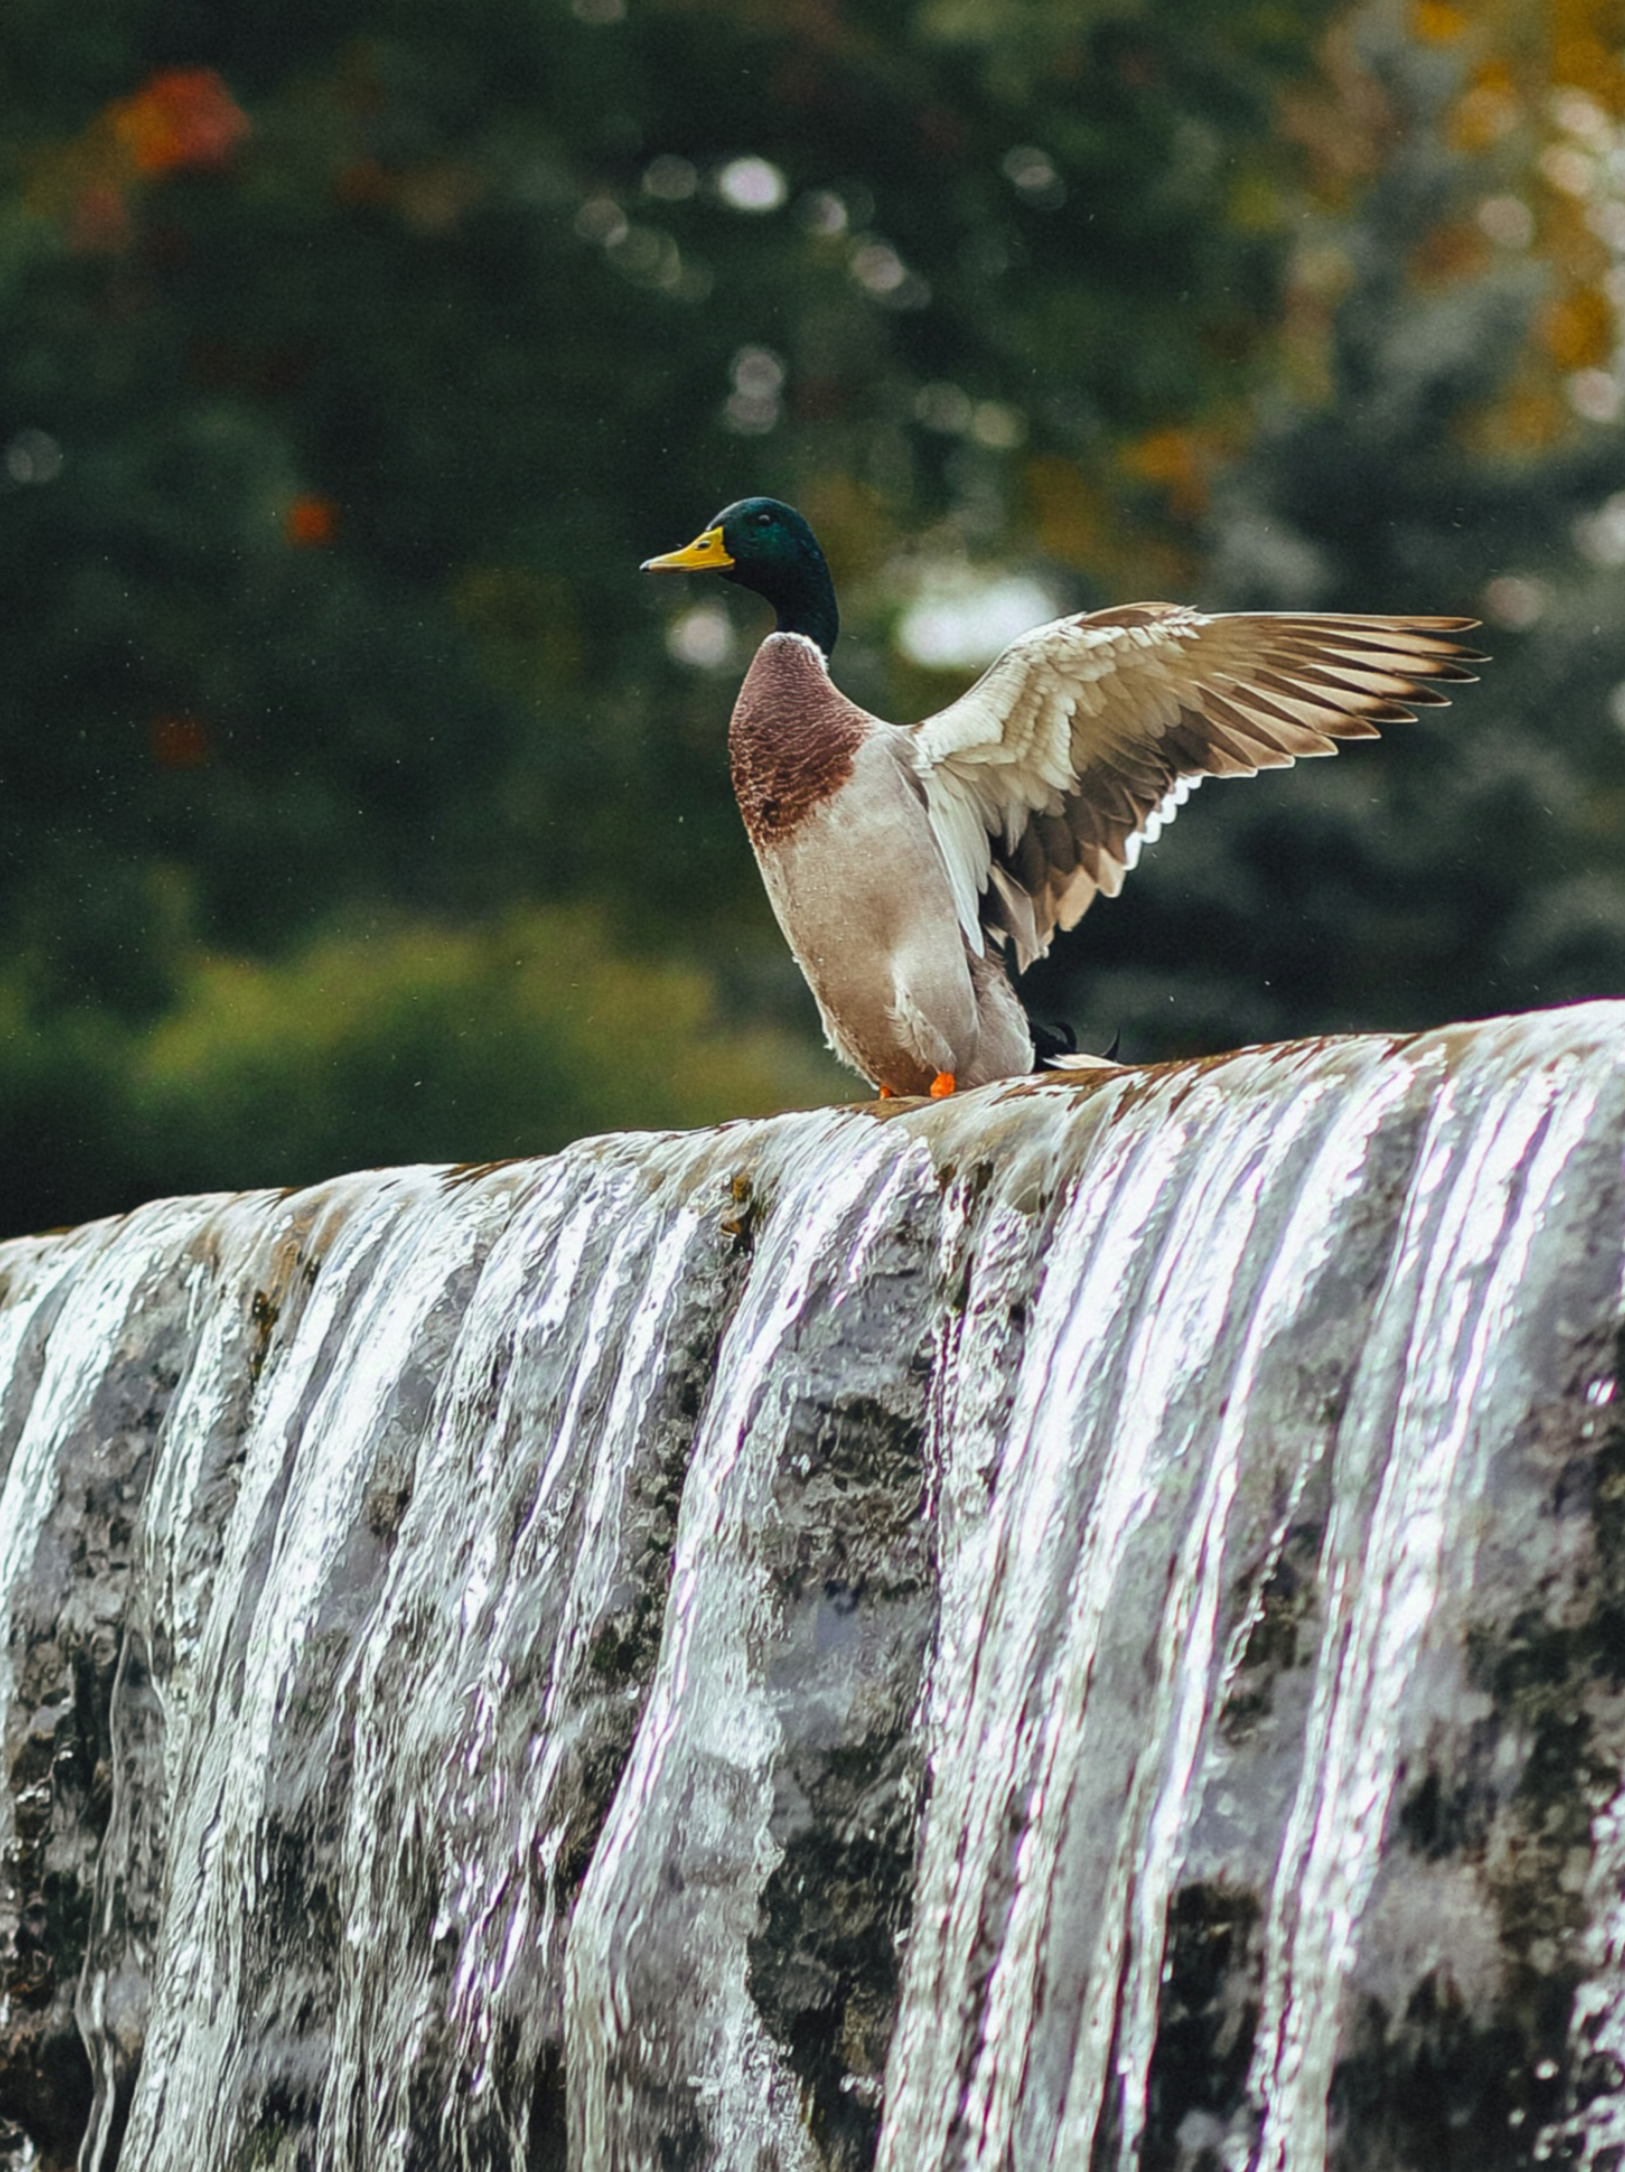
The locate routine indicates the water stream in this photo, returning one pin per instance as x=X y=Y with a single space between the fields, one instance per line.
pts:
x=1080 y=1627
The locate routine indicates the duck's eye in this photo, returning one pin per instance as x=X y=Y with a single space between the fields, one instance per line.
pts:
x=764 y=520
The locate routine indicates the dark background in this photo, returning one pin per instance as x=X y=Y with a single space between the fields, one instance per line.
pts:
x=360 y=802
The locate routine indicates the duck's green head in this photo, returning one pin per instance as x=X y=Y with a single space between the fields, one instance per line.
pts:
x=767 y=546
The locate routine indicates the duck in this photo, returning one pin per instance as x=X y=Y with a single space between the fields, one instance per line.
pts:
x=913 y=867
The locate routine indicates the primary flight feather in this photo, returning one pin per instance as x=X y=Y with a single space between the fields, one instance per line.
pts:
x=903 y=861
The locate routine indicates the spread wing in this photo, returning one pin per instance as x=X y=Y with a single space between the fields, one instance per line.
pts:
x=1076 y=746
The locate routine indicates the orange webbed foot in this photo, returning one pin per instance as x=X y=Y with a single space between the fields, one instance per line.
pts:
x=942 y=1085
x=885 y=1093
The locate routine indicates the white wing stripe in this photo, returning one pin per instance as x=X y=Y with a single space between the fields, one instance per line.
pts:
x=1079 y=744
x=963 y=839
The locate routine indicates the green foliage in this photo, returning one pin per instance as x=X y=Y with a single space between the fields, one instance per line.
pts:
x=358 y=354
x=1475 y=863
x=411 y=1042
x=467 y=283
x=446 y=1044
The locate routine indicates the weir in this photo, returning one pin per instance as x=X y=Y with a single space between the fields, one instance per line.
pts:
x=1081 y=1626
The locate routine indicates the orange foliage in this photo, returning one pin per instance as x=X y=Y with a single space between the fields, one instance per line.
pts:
x=1585 y=37
x=1590 y=66
x=1489 y=110
x=1539 y=84
x=180 y=118
x=1080 y=522
x=1179 y=462
x=1578 y=331
x=1454 y=250
x=1344 y=122
x=1436 y=23
x=310 y=521
x=1531 y=416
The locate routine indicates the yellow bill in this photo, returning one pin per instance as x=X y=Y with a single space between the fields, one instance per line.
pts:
x=706 y=554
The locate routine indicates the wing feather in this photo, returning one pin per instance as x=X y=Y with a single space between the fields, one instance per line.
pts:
x=1081 y=742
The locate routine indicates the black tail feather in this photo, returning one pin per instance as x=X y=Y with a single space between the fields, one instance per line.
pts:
x=1051 y=1041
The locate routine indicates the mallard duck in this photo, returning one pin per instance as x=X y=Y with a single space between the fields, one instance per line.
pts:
x=905 y=864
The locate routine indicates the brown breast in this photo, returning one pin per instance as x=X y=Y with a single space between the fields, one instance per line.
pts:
x=792 y=739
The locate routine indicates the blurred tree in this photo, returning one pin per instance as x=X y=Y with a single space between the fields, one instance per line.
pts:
x=1445 y=437
x=357 y=355
x=400 y=1041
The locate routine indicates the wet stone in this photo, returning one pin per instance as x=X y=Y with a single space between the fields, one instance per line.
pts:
x=1076 y=1626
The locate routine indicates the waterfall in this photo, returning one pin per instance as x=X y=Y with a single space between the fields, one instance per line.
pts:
x=1080 y=1626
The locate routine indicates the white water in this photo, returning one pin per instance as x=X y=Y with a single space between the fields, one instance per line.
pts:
x=1122 y=1488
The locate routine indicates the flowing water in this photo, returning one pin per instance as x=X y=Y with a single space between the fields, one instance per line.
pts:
x=1078 y=1627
